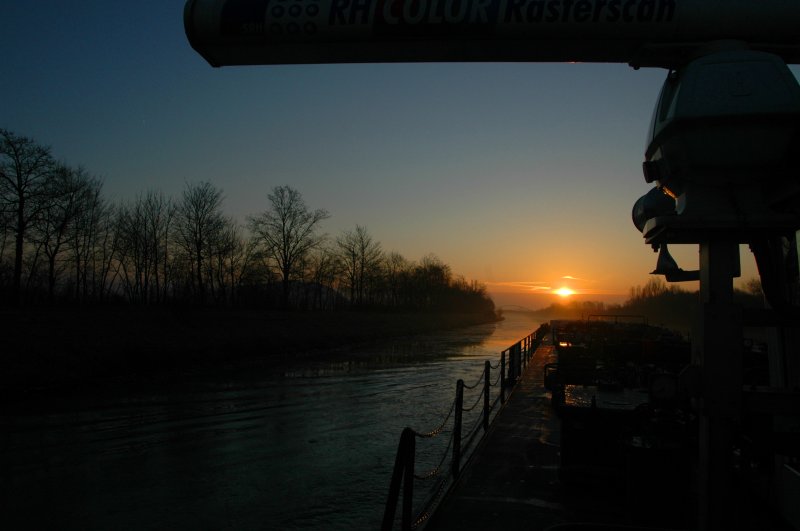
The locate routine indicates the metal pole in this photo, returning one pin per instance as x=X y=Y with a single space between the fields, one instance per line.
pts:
x=514 y=364
x=717 y=349
x=408 y=480
x=486 y=388
x=525 y=349
x=503 y=376
x=397 y=478
x=459 y=407
x=510 y=370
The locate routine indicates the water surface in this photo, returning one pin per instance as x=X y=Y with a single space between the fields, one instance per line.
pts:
x=312 y=448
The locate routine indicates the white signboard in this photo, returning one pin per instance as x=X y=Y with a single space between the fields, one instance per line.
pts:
x=639 y=32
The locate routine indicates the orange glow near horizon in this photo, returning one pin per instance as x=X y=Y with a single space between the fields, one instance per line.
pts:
x=564 y=292
x=544 y=289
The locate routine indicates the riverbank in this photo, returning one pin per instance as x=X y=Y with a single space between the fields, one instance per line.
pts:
x=63 y=348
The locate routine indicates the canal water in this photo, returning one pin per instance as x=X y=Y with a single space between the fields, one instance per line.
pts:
x=311 y=448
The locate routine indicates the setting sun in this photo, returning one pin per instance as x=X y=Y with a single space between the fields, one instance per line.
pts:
x=564 y=292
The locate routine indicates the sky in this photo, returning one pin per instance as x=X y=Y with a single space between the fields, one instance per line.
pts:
x=518 y=175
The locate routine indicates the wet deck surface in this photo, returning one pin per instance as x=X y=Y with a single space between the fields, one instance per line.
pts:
x=513 y=481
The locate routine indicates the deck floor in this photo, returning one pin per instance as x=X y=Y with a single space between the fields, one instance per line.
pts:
x=512 y=481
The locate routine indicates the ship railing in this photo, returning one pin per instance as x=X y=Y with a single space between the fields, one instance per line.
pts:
x=406 y=481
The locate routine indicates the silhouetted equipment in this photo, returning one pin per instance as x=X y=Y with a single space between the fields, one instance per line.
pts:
x=661 y=33
x=667 y=266
x=723 y=147
x=723 y=143
x=652 y=204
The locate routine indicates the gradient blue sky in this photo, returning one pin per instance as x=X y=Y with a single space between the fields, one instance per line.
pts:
x=514 y=174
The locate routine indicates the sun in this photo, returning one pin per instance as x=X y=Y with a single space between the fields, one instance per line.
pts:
x=564 y=292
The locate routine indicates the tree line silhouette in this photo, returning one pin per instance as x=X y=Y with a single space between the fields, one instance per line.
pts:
x=62 y=241
x=661 y=303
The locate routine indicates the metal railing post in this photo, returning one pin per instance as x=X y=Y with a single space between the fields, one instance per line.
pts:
x=526 y=349
x=511 y=370
x=503 y=376
x=403 y=462
x=512 y=360
x=487 y=386
x=457 y=428
x=408 y=482
x=512 y=366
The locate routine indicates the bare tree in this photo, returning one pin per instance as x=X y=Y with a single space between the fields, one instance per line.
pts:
x=323 y=270
x=256 y=278
x=360 y=256
x=105 y=253
x=200 y=223
x=396 y=274
x=287 y=231
x=231 y=256
x=6 y=239
x=132 y=260
x=25 y=167
x=431 y=279
x=91 y=242
x=159 y=218
x=143 y=231
x=59 y=213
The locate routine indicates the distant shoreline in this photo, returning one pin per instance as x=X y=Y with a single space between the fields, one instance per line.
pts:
x=47 y=349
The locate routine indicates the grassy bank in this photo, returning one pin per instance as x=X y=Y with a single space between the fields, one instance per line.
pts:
x=53 y=347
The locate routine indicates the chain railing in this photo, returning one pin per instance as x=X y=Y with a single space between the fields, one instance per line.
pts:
x=513 y=362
